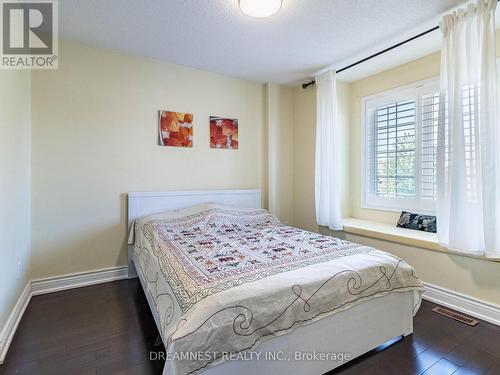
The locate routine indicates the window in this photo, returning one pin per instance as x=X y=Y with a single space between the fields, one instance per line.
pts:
x=400 y=148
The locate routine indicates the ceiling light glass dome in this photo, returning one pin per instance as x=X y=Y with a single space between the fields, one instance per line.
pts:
x=260 y=8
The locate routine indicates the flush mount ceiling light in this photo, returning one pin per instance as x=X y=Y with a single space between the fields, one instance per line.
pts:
x=260 y=8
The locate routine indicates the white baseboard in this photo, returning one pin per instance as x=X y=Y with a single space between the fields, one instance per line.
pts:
x=50 y=285
x=15 y=316
x=471 y=306
x=77 y=280
x=454 y=300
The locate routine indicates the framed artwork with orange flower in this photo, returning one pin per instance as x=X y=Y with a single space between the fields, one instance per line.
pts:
x=175 y=129
x=223 y=133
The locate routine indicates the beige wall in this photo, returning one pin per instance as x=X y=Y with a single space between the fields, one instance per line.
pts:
x=304 y=145
x=426 y=67
x=304 y=116
x=95 y=139
x=414 y=71
x=14 y=188
x=474 y=277
x=280 y=151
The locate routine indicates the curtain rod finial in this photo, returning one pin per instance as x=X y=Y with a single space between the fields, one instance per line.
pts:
x=306 y=85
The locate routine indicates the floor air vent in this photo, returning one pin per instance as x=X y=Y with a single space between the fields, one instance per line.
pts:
x=456 y=316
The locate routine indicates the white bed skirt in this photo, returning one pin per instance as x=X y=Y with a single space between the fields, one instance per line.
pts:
x=351 y=332
x=354 y=331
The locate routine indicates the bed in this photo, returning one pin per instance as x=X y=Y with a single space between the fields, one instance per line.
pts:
x=233 y=290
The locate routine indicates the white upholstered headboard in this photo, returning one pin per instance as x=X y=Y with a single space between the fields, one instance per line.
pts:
x=147 y=203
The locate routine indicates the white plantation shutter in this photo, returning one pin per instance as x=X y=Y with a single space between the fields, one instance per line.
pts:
x=400 y=148
x=470 y=110
x=429 y=110
x=430 y=115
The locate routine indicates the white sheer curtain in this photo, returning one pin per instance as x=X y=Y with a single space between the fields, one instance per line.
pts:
x=327 y=173
x=468 y=155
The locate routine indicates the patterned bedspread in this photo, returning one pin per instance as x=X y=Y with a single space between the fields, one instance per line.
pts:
x=223 y=279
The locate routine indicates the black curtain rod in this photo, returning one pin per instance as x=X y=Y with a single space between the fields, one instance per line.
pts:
x=306 y=85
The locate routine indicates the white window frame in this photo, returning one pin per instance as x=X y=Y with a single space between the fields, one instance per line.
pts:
x=369 y=201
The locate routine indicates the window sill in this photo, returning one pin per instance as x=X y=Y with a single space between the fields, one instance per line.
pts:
x=389 y=232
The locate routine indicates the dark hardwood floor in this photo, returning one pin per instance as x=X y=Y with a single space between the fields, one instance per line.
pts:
x=108 y=329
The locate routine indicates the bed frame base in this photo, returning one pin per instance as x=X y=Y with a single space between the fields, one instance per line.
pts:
x=355 y=331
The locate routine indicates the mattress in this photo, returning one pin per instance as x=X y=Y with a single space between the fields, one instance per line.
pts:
x=223 y=279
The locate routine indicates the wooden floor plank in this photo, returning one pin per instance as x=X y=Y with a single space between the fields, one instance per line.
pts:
x=108 y=329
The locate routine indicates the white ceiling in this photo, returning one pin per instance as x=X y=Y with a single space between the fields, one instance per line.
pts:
x=305 y=36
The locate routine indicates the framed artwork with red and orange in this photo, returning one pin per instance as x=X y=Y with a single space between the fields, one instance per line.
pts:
x=223 y=133
x=175 y=129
